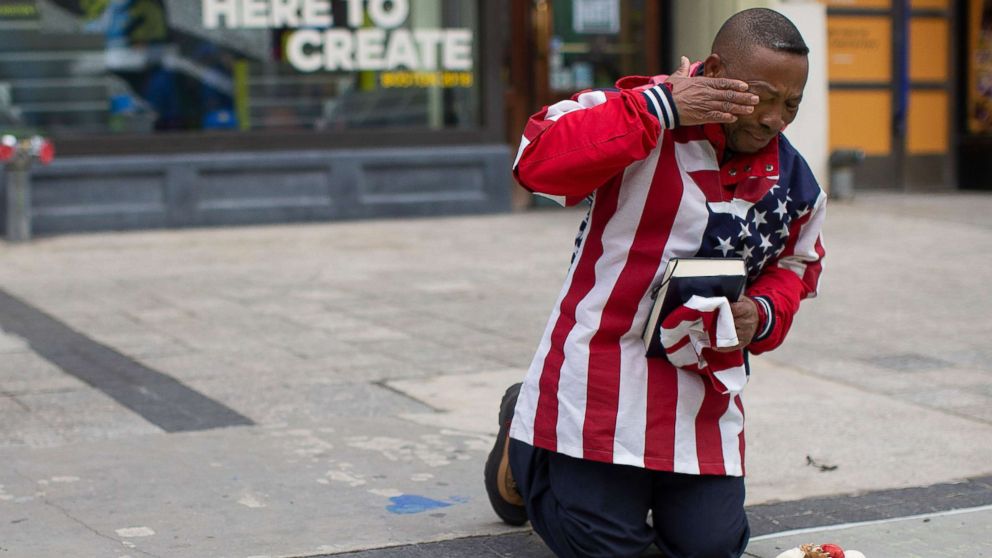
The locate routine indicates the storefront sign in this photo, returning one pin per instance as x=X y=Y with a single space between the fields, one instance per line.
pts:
x=385 y=46
x=18 y=10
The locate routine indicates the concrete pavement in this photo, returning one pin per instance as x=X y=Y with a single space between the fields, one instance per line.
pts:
x=949 y=534
x=308 y=390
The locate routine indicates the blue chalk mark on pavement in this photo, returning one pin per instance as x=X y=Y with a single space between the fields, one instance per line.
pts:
x=411 y=503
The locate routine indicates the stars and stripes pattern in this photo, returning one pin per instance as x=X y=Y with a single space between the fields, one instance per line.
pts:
x=692 y=332
x=658 y=193
x=757 y=232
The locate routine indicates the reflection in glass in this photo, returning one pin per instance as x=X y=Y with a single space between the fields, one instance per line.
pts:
x=83 y=67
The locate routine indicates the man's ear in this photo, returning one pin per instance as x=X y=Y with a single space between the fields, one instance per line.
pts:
x=713 y=66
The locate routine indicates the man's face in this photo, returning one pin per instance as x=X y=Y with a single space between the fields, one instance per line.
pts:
x=777 y=78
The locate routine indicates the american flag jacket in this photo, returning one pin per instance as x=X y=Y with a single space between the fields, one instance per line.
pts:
x=658 y=191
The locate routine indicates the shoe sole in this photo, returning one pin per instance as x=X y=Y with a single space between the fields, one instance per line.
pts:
x=498 y=463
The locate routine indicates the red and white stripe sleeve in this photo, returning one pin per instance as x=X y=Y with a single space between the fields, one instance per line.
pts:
x=793 y=277
x=573 y=147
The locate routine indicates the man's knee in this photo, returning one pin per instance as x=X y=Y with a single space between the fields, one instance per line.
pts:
x=728 y=544
x=581 y=540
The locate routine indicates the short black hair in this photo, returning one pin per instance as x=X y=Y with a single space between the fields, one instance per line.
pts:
x=759 y=27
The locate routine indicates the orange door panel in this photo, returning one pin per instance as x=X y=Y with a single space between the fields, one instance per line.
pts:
x=928 y=56
x=859 y=48
x=926 y=125
x=861 y=120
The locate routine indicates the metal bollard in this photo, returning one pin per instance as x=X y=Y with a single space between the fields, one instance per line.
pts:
x=842 y=163
x=18 y=155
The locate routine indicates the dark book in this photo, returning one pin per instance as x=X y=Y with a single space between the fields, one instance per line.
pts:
x=685 y=277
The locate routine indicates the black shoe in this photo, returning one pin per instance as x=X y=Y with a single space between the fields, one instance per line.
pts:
x=502 y=490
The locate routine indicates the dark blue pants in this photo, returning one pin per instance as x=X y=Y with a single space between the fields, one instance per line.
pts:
x=586 y=509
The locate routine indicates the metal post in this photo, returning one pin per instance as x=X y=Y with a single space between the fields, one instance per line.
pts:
x=18 y=156
x=18 y=204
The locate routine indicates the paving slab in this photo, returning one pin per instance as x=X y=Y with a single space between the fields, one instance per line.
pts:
x=811 y=436
x=246 y=491
x=954 y=534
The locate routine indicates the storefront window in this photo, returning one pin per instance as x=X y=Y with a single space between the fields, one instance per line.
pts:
x=595 y=42
x=980 y=68
x=84 y=67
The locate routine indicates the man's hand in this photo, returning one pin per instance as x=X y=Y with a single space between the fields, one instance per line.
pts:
x=700 y=100
x=745 y=322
